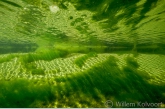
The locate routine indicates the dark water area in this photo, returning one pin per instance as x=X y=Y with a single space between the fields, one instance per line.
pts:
x=17 y=48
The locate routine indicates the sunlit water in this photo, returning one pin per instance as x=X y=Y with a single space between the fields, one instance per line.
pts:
x=66 y=53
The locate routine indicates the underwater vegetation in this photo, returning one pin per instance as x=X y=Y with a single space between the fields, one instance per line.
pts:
x=28 y=59
x=81 y=53
x=7 y=58
x=46 y=55
x=81 y=60
x=89 y=88
x=24 y=93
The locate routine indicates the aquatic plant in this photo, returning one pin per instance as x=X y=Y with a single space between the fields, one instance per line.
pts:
x=7 y=58
x=88 y=88
x=46 y=55
x=81 y=53
x=81 y=60
x=24 y=93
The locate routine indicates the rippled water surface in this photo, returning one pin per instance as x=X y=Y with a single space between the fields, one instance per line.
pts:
x=82 y=53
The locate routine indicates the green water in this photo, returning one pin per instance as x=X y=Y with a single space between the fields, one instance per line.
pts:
x=75 y=53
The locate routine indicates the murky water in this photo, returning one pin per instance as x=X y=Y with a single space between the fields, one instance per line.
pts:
x=79 y=48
